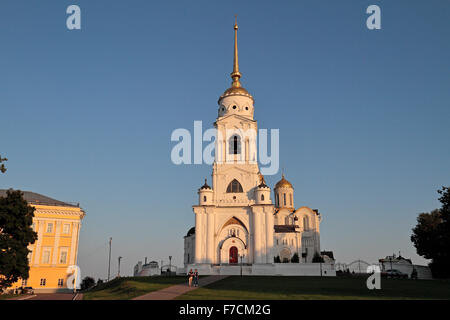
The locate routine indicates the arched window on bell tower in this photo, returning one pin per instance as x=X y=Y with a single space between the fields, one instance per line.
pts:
x=234 y=187
x=235 y=144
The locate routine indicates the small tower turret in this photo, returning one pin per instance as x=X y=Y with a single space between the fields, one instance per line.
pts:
x=205 y=195
x=262 y=192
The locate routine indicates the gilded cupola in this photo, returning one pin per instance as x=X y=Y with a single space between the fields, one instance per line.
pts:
x=284 y=194
x=283 y=183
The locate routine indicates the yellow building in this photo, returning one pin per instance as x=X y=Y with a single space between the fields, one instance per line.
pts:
x=58 y=227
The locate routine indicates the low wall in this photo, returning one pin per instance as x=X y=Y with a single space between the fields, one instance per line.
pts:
x=423 y=272
x=305 y=269
x=274 y=269
x=148 y=272
x=52 y=290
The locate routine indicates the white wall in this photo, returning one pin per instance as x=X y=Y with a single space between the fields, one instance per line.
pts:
x=275 y=269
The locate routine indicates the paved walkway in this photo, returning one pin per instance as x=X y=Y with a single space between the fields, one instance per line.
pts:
x=177 y=290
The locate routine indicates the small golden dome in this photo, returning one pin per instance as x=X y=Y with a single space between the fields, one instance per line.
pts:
x=236 y=91
x=283 y=183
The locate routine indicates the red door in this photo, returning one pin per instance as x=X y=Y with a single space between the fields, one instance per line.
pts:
x=233 y=255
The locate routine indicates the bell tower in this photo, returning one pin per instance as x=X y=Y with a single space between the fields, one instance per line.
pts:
x=236 y=150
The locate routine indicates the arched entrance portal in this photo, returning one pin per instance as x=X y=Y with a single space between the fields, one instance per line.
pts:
x=233 y=255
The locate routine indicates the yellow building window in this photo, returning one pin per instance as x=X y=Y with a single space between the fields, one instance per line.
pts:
x=63 y=257
x=43 y=281
x=49 y=227
x=66 y=228
x=60 y=282
x=46 y=256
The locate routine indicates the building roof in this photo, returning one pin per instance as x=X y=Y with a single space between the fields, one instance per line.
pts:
x=190 y=232
x=36 y=198
x=329 y=254
x=205 y=186
x=284 y=228
x=395 y=259
x=283 y=183
x=263 y=185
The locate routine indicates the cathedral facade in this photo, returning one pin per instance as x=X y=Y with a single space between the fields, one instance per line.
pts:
x=237 y=222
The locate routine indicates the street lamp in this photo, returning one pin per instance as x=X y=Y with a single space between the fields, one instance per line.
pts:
x=109 y=257
x=242 y=257
x=170 y=265
x=118 y=272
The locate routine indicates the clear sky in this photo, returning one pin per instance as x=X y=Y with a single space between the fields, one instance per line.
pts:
x=86 y=116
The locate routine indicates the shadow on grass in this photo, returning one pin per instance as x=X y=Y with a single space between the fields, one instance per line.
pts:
x=286 y=288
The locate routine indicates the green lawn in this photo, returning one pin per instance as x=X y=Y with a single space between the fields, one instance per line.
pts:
x=130 y=287
x=285 y=288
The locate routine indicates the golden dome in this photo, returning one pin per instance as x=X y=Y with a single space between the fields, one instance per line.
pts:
x=283 y=183
x=236 y=91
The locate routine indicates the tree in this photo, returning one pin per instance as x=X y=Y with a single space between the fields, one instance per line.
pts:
x=426 y=234
x=295 y=258
x=317 y=258
x=16 y=234
x=2 y=165
x=431 y=236
x=87 y=282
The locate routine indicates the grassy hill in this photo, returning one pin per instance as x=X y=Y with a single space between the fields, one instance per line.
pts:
x=129 y=287
x=276 y=288
x=315 y=288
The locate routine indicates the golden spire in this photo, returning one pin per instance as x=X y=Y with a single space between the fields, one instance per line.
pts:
x=235 y=75
x=236 y=87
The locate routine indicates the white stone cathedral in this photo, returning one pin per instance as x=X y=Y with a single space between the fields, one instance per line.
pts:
x=237 y=226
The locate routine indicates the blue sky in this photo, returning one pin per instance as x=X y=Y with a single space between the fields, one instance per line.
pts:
x=86 y=116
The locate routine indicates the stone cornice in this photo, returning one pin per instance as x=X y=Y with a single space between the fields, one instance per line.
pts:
x=62 y=212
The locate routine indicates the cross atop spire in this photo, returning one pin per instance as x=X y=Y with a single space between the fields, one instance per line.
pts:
x=235 y=75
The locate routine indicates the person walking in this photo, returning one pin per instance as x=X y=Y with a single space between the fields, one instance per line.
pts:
x=195 y=278
x=190 y=275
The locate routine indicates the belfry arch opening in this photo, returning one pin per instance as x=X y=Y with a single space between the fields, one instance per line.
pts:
x=235 y=144
x=234 y=187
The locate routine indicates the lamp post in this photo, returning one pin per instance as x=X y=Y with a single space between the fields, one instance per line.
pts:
x=242 y=257
x=109 y=258
x=75 y=281
x=170 y=265
x=390 y=260
x=118 y=272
